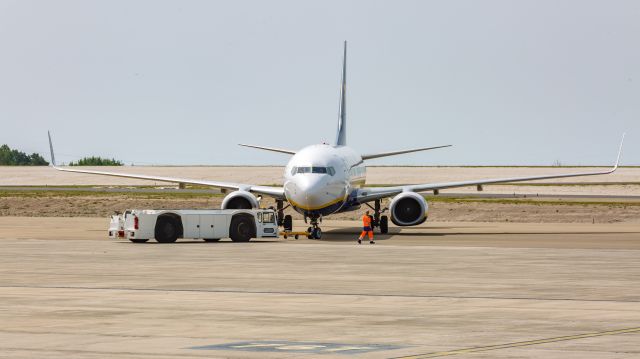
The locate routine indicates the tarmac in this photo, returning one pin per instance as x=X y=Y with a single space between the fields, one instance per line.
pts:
x=467 y=290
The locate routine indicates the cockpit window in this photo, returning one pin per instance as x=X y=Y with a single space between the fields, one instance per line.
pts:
x=319 y=170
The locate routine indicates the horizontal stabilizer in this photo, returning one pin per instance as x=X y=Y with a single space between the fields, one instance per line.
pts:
x=272 y=149
x=386 y=154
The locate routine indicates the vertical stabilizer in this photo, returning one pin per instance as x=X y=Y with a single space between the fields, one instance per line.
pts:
x=341 y=138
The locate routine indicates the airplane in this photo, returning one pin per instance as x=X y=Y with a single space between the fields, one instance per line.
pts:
x=325 y=179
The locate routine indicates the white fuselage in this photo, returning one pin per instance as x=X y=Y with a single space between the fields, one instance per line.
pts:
x=319 y=179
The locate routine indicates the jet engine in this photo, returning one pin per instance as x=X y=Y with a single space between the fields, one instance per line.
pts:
x=240 y=200
x=408 y=209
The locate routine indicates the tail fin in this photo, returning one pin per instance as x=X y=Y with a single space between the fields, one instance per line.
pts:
x=341 y=138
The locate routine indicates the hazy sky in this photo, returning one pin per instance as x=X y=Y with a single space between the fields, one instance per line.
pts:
x=182 y=82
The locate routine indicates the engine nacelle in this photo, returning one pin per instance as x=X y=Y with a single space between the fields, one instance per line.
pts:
x=240 y=200
x=408 y=209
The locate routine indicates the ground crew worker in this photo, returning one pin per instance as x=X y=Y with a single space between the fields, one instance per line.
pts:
x=366 y=228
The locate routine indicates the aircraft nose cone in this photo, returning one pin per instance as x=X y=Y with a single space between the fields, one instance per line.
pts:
x=307 y=191
x=310 y=183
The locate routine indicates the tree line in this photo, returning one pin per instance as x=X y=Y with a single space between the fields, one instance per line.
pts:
x=96 y=161
x=12 y=157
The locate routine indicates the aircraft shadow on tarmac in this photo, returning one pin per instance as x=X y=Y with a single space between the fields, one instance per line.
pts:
x=350 y=234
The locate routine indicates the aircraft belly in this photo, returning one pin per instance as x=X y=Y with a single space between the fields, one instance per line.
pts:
x=324 y=211
x=321 y=203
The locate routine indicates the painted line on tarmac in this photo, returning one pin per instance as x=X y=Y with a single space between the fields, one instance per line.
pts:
x=283 y=346
x=223 y=291
x=521 y=344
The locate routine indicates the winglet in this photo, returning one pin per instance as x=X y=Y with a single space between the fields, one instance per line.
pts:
x=619 y=153
x=53 y=157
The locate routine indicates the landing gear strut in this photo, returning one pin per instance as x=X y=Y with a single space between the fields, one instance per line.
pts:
x=378 y=220
x=280 y=209
x=314 y=231
x=283 y=221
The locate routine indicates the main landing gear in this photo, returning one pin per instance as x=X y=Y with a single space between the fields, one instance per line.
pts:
x=377 y=219
x=283 y=221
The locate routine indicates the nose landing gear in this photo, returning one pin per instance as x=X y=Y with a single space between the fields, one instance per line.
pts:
x=314 y=232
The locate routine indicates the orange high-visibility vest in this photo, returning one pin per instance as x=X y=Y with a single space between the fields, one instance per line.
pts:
x=366 y=221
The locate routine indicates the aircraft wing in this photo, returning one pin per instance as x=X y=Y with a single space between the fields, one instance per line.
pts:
x=373 y=193
x=277 y=192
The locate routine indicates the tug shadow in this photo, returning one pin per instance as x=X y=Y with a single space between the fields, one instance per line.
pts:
x=222 y=242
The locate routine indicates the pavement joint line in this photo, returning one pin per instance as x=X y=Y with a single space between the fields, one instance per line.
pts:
x=103 y=354
x=521 y=344
x=316 y=293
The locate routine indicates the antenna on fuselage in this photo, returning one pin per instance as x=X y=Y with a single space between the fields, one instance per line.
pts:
x=341 y=138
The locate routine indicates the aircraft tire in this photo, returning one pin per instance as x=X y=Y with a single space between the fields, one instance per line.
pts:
x=317 y=233
x=288 y=222
x=384 y=224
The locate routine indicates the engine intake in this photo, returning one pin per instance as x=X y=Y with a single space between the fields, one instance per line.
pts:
x=240 y=200
x=408 y=209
